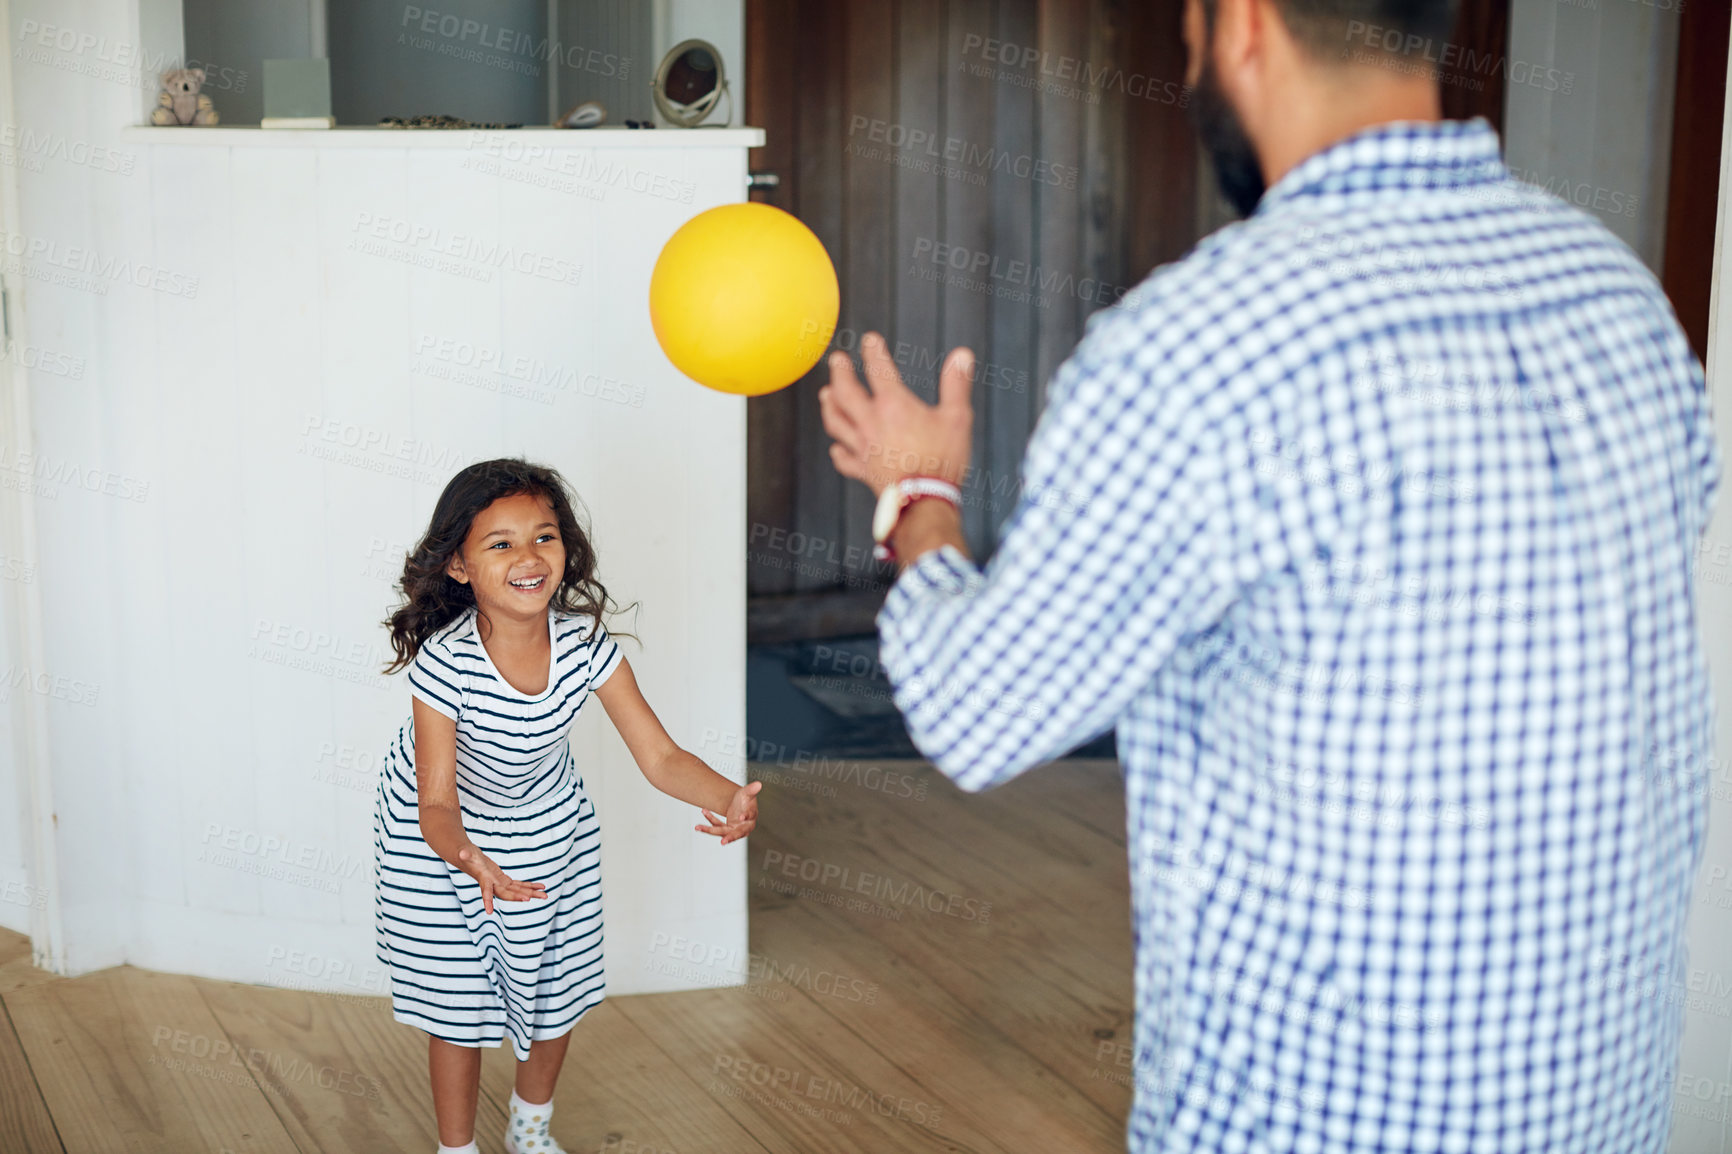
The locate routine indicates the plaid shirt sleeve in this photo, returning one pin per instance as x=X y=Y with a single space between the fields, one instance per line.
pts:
x=1118 y=548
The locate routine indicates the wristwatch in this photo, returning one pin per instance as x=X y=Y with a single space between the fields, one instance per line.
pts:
x=898 y=497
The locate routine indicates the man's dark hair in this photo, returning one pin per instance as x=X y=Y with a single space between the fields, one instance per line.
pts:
x=1340 y=31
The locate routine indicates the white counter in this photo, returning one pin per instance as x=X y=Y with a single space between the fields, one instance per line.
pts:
x=605 y=136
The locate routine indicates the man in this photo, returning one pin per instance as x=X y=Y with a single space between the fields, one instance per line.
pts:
x=1369 y=524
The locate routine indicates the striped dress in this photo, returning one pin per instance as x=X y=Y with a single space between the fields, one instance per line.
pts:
x=529 y=969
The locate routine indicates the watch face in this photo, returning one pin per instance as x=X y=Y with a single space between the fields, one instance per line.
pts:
x=884 y=516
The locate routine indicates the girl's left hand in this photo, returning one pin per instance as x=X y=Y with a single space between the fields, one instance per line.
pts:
x=742 y=815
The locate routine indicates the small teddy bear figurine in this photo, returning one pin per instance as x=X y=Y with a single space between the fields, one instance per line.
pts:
x=181 y=102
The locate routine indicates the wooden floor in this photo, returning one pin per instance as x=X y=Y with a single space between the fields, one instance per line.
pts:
x=900 y=1027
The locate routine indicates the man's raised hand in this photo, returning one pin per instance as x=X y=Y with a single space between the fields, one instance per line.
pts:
x=889 y=433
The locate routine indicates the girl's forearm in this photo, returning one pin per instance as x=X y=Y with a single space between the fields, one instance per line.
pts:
x=442 y=829
x=685 y=776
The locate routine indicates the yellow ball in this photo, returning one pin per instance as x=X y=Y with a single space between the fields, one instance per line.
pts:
x=744 y=299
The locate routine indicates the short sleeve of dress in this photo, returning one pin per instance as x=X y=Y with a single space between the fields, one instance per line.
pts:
x=436 y=679
x=604 y=656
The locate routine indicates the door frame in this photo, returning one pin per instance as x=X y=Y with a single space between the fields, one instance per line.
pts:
x=21 y=601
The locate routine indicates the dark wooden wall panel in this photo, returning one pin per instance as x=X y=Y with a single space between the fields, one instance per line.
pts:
x=913 y=326
x=1483 y=27
x=966 y=215
x=868 y=208
x=1011 y=340
x=1019 y=174
x=772 y=421
x=820 y=58
x=1160 y=145
x=1106 y=164
x=1693 y=201
x=1059 y=252
x=841 y=86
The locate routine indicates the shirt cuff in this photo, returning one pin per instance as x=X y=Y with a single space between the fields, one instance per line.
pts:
x=945 y=569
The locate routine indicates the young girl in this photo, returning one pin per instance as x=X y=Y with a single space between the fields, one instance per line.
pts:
x=487 y=852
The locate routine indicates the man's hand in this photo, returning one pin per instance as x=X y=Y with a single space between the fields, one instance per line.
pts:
x=889 y=433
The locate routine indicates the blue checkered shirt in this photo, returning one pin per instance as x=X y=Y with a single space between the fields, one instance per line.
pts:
x=1370 y=525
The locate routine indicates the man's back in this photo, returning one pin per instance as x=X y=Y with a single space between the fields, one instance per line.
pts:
x=1415 y=813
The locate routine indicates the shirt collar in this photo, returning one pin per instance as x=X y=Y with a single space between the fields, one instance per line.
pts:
x=1394 y=157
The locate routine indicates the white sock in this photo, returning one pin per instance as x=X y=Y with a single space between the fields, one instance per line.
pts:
x=472 y=1148
x=520 y=1104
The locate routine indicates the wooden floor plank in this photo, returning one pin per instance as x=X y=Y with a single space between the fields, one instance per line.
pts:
x=978 y=1037
x=132 y=1062
x=1005 y=842
x=350 y=1076
x=16 y=968
x=26 y=1127
x=798 y=1080
x=928 y=899
x=958 y=1054
x=619 y=1091
x=1004 y=847
x=338 y=1070
x=1089 y=792
x=1052 y=967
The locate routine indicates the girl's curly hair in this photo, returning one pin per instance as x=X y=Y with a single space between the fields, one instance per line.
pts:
x=433 y=598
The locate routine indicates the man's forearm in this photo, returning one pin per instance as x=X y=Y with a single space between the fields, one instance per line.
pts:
x=925 y=525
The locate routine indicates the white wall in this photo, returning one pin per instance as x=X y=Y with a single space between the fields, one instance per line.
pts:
x=616 y=60
x=82 y=194
x=482 y=60
x=231 y=41
x=25 y=878
x=391 y=58
x=193 y=543
x=1588 y=108
x=19 y=884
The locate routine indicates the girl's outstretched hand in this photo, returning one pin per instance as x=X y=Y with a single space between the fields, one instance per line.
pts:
x=742 y=815
x=493 y=881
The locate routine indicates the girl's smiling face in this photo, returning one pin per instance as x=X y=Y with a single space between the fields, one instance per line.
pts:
x=513 y=557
